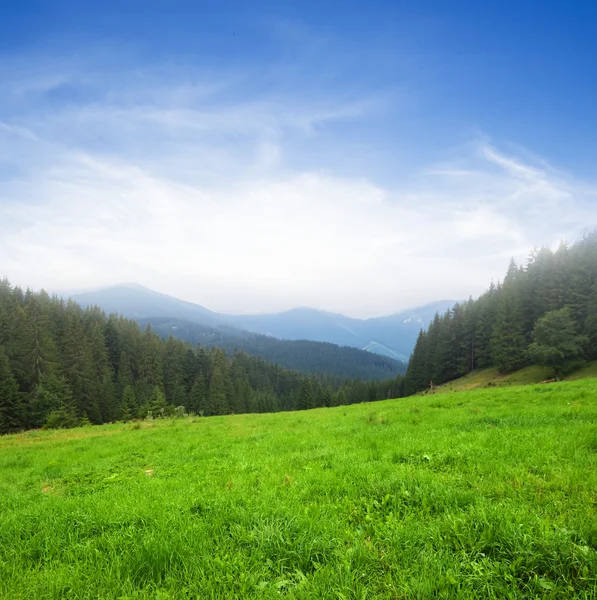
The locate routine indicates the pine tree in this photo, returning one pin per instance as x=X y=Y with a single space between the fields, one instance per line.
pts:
x=77 y=363
x=253 y=403
x=537 y=297
x=241 y=386
x=157 y=403
x=218 y=397
x=306 y=395
x=487 y=306
x=417 y=376
x=590 y=324
x=190 y=369
x=509 y=338
x=125 y=374
x=102 y=394
x=8 y=310
x=54 y=395
x=150 y=367
x=198 y=401
x=113 y=343
x=340 y=398
x=108 y=398
x=266 y=402
x=129 y=404
x=203 y=364
x=35 y=352
x=173 y=364
x=12 y=416
x=326 y=396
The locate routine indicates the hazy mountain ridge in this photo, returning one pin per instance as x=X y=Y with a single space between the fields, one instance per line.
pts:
x=137 y=302
x=393 y=335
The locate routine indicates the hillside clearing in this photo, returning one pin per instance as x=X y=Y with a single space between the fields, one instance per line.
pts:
x=489 y=493
x=483 y=378
x=589 y=370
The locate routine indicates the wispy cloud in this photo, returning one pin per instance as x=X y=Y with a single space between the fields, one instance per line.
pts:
x=201 y=186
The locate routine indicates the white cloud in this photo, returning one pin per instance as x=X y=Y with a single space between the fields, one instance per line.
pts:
x=190 y=191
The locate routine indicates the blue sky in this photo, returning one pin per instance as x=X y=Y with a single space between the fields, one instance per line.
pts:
x=254 y=156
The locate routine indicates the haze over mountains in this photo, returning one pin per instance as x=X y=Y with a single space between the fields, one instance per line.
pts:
x=393 y=336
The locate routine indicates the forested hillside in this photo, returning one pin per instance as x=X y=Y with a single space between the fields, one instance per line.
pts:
x=338 y=362
x=544 y=313
x=61 y=365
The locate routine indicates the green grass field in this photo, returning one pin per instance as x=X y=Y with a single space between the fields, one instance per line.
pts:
x=482 y=494
x=491 y=377
x=589 y=371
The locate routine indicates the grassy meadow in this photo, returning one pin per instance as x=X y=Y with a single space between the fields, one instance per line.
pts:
x=483 y=378
x=482 y=494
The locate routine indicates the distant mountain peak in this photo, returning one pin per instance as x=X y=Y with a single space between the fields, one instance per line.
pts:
x=133 y=285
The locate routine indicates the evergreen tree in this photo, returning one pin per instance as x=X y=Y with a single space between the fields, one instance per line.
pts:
x=12 y=416
x=306 y=395
x=113 y=344
x=34 y=349
x=265 y=402
x=501 y=327
x=77 y=363
x=101 y=390
x=190 y=368
x=241 y=387
x=555 y=340
x=125 y=373
x=218 y=397
x=326 y=396
x=173 y=369
x=198 y=401
x=157 y=403
x=150 y=368
x=509 y=340
x=53 y=396
x=340 y=398
x=590 y=324
x=108 y=398
x=487 y=307
x=129 y=404
x=253 y=404
x=8 y=318
x=466 y=359
x=418 y=373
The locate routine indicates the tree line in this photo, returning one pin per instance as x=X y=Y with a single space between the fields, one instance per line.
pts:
x=544 y=312
x=306 y=356
x=61 y=365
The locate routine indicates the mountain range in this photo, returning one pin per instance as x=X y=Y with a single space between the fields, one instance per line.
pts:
x=392 y=337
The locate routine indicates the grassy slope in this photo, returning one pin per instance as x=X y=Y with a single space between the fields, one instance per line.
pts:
x=489 y=493
x=530 y=375
x=589 y=371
